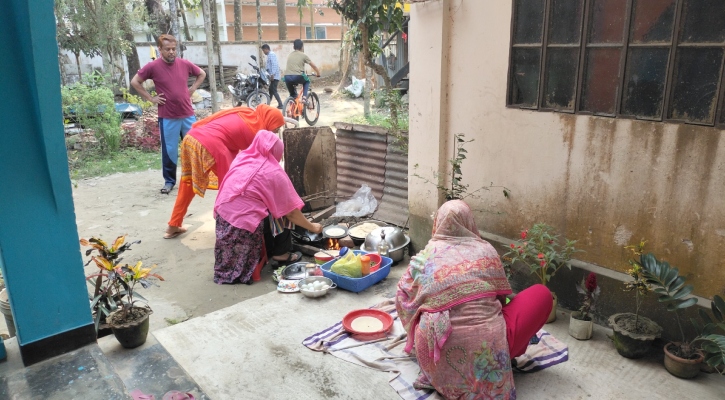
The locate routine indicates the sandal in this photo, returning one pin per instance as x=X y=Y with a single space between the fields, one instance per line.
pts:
x=291 y=258
x=167 y=188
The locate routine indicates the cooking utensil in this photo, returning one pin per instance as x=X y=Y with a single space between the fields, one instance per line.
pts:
x=294 y=271
x=393 y=235
x=316 y=293
x=326 y=229
x=358 y=240
x=288 y=286
x=383 y=317
x=396 y=254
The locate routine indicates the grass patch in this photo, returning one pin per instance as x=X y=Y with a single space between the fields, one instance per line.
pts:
x=379 y=119
x=89 y=163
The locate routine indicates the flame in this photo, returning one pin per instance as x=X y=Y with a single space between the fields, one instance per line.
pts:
x=332 y=244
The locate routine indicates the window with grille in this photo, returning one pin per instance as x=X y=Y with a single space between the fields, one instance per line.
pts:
x=320 y=32
x=658 y=60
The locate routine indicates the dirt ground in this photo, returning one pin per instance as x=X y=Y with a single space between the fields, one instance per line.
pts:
x=131 y=204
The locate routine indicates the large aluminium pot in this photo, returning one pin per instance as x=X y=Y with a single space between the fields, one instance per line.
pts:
x=397 y=240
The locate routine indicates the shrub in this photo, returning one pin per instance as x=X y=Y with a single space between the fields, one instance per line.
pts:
x=93 y=108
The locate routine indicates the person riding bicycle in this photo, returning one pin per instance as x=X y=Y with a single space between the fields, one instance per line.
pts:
x=295 y=71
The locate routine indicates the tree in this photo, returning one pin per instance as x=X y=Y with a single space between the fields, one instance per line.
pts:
x=217 y=43
x=75 y=30
x=260 y=59
x=282 y=19
x=369 y=19
x=182 y=12
x=238 y=20
x=210 y=54
x=158 y=19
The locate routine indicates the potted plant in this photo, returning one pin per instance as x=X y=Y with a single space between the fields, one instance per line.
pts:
x=633 y=334
x=683 y=358
x=130 y=324
x=581 y=324
x=544 y=253
x=114 y=298
x=107 y=293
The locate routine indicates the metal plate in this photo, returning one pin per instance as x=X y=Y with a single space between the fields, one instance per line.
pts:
x=294 y=271
x=372 y=221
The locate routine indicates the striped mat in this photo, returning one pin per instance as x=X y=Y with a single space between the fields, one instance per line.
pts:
x=387 y=354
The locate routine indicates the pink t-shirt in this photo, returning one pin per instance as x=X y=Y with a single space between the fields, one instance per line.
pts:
x=171 y=80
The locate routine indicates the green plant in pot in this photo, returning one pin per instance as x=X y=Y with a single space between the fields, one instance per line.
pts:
x=544 y=253
x=683 y=358
x=633 y=334
x=107 y=294
x=130 y=324
x=581 y=324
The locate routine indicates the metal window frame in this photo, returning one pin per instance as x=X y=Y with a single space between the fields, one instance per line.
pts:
x=668 y=89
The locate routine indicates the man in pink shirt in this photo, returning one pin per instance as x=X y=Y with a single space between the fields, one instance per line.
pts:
x=173 y=96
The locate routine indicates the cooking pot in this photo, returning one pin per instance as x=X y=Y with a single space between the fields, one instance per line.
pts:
x=393 y=235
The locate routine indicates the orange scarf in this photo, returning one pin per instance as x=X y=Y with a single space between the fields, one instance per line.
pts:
x=263 y=118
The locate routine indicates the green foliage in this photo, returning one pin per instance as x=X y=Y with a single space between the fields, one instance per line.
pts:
x=375 y=16
x=542 y=250
x=89 y=164
x=92 y=106
x=638 y=284
x=673 y=291
x=138 y=100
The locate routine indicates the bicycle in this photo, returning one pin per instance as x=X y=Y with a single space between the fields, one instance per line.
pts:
x=293 y=107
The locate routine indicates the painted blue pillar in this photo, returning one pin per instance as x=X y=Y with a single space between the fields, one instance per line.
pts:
x=39 y=250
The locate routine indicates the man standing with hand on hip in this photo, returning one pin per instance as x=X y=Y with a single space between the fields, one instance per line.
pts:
x=173 y=96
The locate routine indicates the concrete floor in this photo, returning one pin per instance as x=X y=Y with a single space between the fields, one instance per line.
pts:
x=252 y=350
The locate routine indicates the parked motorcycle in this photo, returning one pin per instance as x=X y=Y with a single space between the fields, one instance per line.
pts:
x=252 y=88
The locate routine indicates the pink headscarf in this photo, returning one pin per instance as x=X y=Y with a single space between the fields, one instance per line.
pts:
x=455 y=267
x=255 y=184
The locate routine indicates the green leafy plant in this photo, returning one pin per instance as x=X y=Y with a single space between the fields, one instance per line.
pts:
x=457 y=189
x=114 y=285
x=138 y=100
x=542 y=251
x=92 y=106
x=638 y=284
x=673 y=291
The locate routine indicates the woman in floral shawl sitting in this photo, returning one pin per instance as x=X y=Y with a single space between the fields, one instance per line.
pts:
x=451 y=302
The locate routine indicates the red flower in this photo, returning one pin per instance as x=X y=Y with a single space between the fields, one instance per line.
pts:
x=541 y=256
x=542 y=263
x=513 y=246
x=591 y=283
x=524 y=234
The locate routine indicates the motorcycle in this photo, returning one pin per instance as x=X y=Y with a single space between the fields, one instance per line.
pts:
x=252 y=88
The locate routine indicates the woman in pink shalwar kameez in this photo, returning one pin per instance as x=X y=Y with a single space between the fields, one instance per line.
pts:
x=451 y=302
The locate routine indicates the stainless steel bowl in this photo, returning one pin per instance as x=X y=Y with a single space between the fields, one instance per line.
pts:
x=327 y=228
x=316 y=293
x=396 y=254
x=393 y=235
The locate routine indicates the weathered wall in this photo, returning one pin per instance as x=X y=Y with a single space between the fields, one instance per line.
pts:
x=606 y=182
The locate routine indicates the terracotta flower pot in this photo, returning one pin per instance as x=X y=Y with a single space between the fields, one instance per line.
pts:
x=552 y=314
x=681 y=367
x=131 y=333
x=580 y=329
x=629 y=343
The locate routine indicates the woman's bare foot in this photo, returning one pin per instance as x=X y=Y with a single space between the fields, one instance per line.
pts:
x=174 y=231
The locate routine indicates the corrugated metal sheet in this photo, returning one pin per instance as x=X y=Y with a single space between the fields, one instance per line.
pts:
x=361 y=152
x=365 y=156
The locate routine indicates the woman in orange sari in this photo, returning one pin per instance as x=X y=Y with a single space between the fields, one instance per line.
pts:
x=208 y=150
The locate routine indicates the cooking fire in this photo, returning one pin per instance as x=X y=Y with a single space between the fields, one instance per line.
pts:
x=332 y=244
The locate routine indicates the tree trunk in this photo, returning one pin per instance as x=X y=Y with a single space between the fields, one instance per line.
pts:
x=210 y=54
x=260 y=59
x=174 y=17
x=182 y=11
x=132 y=54
x=282 y=19
x=158 y=20
x=217 y=44
x=78 y=64
x=237 y=20
x=312 y=22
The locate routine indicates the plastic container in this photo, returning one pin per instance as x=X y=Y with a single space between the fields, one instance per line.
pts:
x=365 y=265
x=358 y=284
